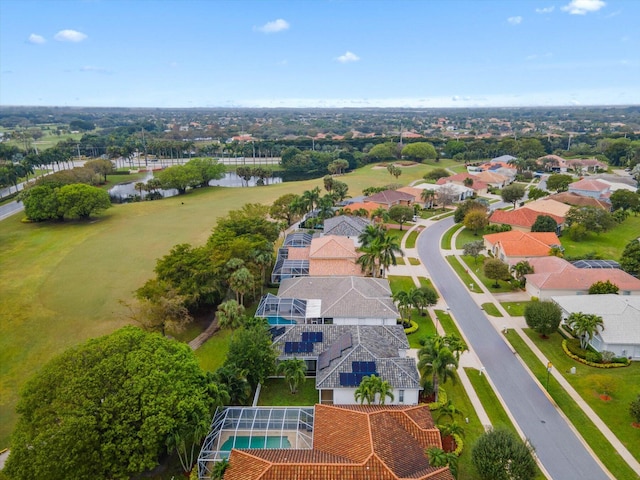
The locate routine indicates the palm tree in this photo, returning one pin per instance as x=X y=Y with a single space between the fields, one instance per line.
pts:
x=521 y=269
x=241 y=281
x=404 y=301
x=325 y=207
x=448 y=410
x=262 y=259
x=217 y=472
x=436 y=360
x=385 y=390
x=235 y=382
x=364 y=392
x=428 y=195
x=294 y=371
x=380 y=214
x=140 y=186
x=368 y=261
x=585 y=326
x=439 y=458
x=389 y=246
x=230 y=314
x=311 y=198
x=418 y=298
x=371 y=233
x=450 y=429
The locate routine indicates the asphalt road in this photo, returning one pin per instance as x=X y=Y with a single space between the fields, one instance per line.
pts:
x=558 y=448
x=9 y=209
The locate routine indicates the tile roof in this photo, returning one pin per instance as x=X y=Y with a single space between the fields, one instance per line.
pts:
x=389 y=197
x=332 y=246
x=298 y=253
x=491 y=177
x=459 y=178
x=575 y=199
x=523 y=244
x=414 y=192
x=589 y=185
x=368 y=206
x=521 y=217
x=356 y=297
x=549 y=206
x=345 y=225
x=352 y=443
x=580 y=279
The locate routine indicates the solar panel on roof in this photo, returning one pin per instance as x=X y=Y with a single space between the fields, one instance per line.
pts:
x=306 y=347
x=319 y=337
x=288 y=347
x=305 y=336
x=344 y=379
x=355 y=366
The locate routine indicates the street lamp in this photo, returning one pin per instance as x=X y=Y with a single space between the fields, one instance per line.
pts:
x=549 y=367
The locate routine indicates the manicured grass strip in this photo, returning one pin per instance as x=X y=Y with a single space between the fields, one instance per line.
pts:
x=395 y=233
x=446 y=238
x=489 y=400
x=400 y=261
x=414 y=261
x=447 y=323
x=590 y=433
x=411 y=239
x=491 y=309
x=516 y=309
x=463 y=274
x=615 y=412
x=426 y=327
x=478 y=269
x=444 y=215
x=425 y=282
x=275 y=392
x=399 y=283
x=213 y=352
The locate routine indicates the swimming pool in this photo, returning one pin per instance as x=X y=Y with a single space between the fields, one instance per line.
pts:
x=280 y=321
x=273 y=441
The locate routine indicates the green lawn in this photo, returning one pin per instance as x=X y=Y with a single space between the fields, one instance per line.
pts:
x=516 y=309
x=463 y=274
x=447 y=323
x=400 y=261
x=615 y=412
x=275 y=392
x=477 y=266
x=414 y=261
x=576 y=416
x=489 y=400
x=426 y=327
x=608 y=245
x=425 y=282
x=467 y=236
x=399 y=283
x=491 y=309
x=411 y=239
x=213 y=352
x=446 y=238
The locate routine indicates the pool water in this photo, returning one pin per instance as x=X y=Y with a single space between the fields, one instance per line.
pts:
x=280 y=321
x=256 y=442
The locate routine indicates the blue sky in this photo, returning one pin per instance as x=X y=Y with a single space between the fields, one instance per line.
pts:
x=331 y=53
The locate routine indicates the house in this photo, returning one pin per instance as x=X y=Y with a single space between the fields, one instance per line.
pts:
x=339 y=356
x=585 y=165
x=493 y=179
x=591 y=188
x=620 y=316
x=556 y=163
x=389 y=198
x=548 y=206
x=522 y=219
x=345 y=226
x=515 y=246
x=577 y=200
x=417 y=196
x=355 y=442
x=334 y=300
x=453 y=191
x=553 y=276
x=466 y=180
x=354 y=207
x=503 y=159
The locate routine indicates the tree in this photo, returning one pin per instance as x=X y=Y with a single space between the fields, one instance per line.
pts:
x=544 y=223
x=427 y=196
x=466 y=207
x=440 y=458
x=294 y=371
x=436 y=174
x=401 y=214
x=476 y=220
x=634 y=409
x=447 y=195
x=207 y=168
x=521 y=269
x=100 y=167
x=593 y=219
x=404 y=302
x=251 y=350
x=241 y=281
x=495 y=269
x=499 y=455
x=423 y=297
x=559 y=182
x=371 y=388
x=80 y=415
x=473 y=249
x=234 y=380
x=387 y=248
x=79 y=200
x=543 y=317
x=163 y=312
x=245 y=173
x=585 y=326
x=630 y=259
x=536 y=193
x=382 y=152
x=512 y=194
x=420 y=151
x=437 y=361
x=311 y=198
x=41 y=203
x=601 y=288
x=230 y=314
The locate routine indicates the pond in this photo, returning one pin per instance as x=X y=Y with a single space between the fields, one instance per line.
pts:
x=125 y=191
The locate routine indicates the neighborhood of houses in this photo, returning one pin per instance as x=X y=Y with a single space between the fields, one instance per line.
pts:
x=344 y=325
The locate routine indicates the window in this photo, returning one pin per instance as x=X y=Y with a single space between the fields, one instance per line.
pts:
x=400 y=396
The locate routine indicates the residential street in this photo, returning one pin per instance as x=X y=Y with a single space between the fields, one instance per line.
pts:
x=560 y=451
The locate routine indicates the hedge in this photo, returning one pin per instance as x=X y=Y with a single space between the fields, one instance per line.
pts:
x=566 y=349
x=413 y=328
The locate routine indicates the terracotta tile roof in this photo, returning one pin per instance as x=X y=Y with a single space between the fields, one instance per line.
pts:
x=589 y=185
x=491 y=177
x=521 y=217
x=414 y=192
x=298 y=253
x=334 y=268
x=389 y=197
x=459 y=179
x=523 y=244
x=549 y=206
x=580 y=279
x=578 y=200
x=352 y=443
x=332 y=246
x=368 y=206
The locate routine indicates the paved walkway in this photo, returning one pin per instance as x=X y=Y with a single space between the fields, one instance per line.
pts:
x=506 y=324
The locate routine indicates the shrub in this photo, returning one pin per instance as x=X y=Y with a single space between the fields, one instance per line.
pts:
x=413 y=328
x=607 y=356
x=634 y=409
x=569 y=345
x=500 y=455
x=593 y=357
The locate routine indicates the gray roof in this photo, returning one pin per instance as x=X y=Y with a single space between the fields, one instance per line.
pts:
x=367 y=343
x=620 y=314
x=345 y=225
x=503 y=158
x=344 y=297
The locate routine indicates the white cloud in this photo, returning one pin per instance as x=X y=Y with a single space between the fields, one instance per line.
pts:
x=70 y=36
x=582 y=7
x=276 y=26
x=348 y=57
x=545 y=9
x=36 y=39
x=515 y=20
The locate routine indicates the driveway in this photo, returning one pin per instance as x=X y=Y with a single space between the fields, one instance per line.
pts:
x=558 y=448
